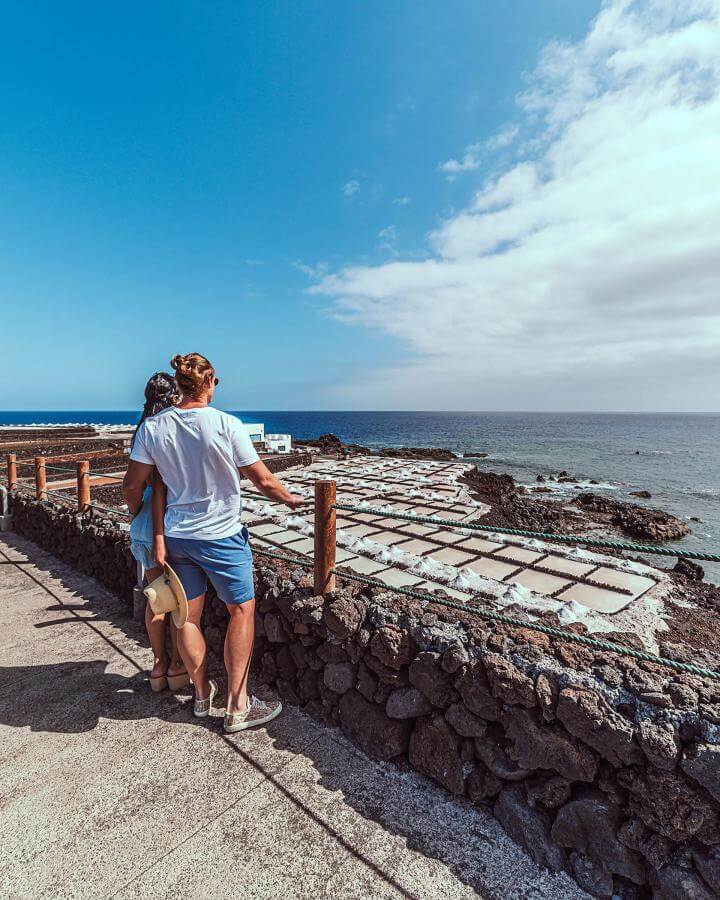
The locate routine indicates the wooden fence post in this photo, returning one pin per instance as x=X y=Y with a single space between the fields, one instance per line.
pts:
x=12 y=471
x=83 y=485
x=324 y=536
x=40 y=478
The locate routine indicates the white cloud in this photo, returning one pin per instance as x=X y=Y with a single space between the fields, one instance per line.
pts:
x=402 y=201
x=388 y=237
x=475 y=153
x=584 y=276
x=316 y=272
x=350 y=187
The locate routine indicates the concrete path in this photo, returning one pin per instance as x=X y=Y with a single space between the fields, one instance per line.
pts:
x=107 y=790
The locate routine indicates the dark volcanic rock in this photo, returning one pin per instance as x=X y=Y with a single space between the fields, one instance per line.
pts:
x=702 y=763
x=464 y=722
x=482 y=784
x=437 y=453
x=590 y=825
x=367 y=725
x=391 y=645
x=676 y=882
x=345 y=615
x=670 y=805
x=407 y=703
x=542 y=746
x=637 y=521
x=428 y=677
x=589 y=717
x=434 y=752
x=473 y=686
x=529 y=827
x=689 y=569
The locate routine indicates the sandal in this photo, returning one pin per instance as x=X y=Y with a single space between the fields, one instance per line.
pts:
x=179 y=681
x=159 y=683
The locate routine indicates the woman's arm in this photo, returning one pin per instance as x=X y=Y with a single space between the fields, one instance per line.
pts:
x=159 y=503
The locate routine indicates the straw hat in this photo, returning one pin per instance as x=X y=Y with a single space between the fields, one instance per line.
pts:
x=166 y=594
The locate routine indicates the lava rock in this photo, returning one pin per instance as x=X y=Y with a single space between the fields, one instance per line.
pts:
x=345 y=615
x=434 y=752
x=474 y=687
x=702 y=762
x=590 y=717
x=529 y=827
x=427 y=676
x=339 y=677
x=367 y=726
x=590 y=825
x=459 y=717
x=508 y=682
x=392 y=646
x=538 y=746
x=689 y=569
x=407 y=703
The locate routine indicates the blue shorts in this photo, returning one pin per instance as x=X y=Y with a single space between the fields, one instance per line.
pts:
x=143 y=553
x=227 y=563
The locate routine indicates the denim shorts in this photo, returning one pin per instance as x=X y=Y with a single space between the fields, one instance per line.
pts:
x=228 y=563
x=143 y=553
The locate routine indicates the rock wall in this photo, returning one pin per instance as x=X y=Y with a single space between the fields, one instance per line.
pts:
x=597 y=764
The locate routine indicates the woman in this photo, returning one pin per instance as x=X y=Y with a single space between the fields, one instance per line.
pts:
x=201 y=454
x=161 y=391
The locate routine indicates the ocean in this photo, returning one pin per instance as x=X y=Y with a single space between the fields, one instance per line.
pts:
x=674 y=456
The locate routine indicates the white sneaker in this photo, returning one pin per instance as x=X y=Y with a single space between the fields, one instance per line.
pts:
x=258 y=712
x=203 y=707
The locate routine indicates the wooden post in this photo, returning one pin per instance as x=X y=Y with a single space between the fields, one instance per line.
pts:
x=40 y=478
x=12 y=471
x=83 y=485
x=324 y=537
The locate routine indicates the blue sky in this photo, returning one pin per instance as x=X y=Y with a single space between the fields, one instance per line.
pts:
x=247 y=180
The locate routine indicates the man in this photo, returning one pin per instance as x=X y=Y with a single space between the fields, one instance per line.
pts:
x=201 y=454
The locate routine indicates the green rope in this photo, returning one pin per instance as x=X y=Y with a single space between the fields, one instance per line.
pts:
x=559 y=538
x=505 y=620
x=533 y=626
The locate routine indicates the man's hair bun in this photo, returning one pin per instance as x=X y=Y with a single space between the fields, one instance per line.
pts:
x=191 y=370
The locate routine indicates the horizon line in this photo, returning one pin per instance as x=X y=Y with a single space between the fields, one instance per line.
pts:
x=479 y=412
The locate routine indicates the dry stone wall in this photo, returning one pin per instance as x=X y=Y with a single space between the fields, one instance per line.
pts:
x=597 y=764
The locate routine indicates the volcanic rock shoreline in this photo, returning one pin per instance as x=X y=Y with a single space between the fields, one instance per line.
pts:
x=512 y=507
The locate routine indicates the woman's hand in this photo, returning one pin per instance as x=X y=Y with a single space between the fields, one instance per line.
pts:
x=159 y=549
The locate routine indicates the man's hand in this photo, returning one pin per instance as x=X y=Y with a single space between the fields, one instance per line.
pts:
x=159 y=549
x=268 y=485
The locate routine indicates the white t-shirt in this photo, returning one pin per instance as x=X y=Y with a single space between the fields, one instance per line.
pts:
x=197 y=453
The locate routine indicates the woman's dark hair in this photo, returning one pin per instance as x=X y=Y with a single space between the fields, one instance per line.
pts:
x=161 y=391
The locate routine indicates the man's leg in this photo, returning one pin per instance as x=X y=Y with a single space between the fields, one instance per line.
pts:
x=191 y=645
x=238 y=653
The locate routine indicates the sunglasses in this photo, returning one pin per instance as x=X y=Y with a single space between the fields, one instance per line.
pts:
x=217 y=381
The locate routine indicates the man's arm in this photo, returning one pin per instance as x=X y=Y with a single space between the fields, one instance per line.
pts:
x=269 y=486
x=134 y=484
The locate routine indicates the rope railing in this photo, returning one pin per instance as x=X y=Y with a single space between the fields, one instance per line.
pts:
x=111 y=509
x=325 y=572
x=521 y=532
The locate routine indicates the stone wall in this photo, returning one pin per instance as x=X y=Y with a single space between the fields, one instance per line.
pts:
x=598 y=764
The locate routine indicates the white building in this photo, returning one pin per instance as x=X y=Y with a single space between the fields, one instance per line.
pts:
x=279 y=443
x=256 y=432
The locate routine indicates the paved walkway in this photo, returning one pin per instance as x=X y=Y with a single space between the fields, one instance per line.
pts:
x=109 y=791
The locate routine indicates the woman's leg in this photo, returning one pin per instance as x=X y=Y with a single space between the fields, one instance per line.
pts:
x=155 y=626
x=177 y=666
x=191 y=645
x=239 y=641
